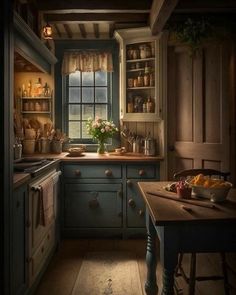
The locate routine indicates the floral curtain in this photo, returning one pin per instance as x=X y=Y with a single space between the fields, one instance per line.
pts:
x=87 y=61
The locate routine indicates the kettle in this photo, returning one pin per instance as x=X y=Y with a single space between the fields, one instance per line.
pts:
x=149 y=146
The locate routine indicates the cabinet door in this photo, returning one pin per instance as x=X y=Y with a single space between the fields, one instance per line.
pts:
x=135 y=205
x=93 y=205
x=19 y=274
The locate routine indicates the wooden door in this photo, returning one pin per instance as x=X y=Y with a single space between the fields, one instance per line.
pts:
x=198 y=109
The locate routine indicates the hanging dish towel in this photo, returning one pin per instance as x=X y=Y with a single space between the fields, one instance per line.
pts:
x=46 y=201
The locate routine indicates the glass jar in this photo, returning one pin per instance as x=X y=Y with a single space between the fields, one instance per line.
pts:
x=140 y=80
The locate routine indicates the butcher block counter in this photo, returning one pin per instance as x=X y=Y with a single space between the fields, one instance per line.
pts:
x=203 y=227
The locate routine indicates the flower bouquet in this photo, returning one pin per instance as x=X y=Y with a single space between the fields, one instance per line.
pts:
x=101 y=130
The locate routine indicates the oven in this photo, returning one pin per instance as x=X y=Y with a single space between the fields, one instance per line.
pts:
x=42 y=239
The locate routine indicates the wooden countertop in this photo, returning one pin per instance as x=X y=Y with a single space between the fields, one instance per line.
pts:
x=21 y=178
x=165 y=211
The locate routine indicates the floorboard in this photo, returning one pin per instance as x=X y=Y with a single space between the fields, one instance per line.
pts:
x=63 y=270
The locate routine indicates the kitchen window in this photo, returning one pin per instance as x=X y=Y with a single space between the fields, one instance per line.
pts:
x=88 y=94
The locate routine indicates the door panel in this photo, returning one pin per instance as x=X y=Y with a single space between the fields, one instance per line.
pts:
x=198 y=109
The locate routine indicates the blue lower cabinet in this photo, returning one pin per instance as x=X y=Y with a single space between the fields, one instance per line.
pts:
x=135 y=205
x=19 y=265
x=93 y=205
x=102 y=199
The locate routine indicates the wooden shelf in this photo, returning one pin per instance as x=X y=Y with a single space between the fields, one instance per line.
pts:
x=36 y=98
x=136 y=70
x=140 y=59
x=35 y=112
x=146 y=87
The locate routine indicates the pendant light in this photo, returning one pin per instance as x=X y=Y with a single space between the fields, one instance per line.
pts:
x=47 y=31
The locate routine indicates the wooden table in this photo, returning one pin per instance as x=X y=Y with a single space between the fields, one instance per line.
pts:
x=199 y=229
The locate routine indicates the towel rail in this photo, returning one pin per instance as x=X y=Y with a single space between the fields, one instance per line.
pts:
x=38 y=187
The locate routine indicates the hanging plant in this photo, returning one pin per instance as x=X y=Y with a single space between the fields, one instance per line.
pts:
x=192 y=32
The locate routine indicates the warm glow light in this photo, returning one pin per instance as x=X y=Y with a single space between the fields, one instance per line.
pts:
x=47 y=32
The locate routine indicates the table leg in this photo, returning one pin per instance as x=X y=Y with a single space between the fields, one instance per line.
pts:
x=168 y=258
x=151 y=287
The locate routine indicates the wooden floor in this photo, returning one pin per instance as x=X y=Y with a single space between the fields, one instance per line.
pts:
x=62 y=272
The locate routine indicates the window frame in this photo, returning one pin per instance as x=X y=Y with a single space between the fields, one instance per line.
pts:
x=62 y=46
x=67 y=104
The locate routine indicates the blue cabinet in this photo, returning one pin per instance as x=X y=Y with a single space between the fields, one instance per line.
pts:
x=102 y=199
x=19 y=244
x=93 y=205
x=135 y=217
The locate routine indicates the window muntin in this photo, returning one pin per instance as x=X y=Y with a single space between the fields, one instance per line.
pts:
x=88 y=95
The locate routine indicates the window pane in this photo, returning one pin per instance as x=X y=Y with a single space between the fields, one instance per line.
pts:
x=87 y=79
x=101 y=111
x=87 y=111
x=74 y=112
x=74 y=94
x=84 y=131
x=100 y=78
x=74 y=129
x=101 y=94
x=74 y=79
x=87 y=94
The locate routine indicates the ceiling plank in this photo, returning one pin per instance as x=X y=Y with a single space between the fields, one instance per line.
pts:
x=203 y=6
x=68 y=30
x=111 y=29
x=82 y=30
x=96 y=17
x=57 y=30
x=96 y=30
x=160 y=12
x=93 y=4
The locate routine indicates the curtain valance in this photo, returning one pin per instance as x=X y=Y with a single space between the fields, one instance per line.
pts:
x=87 y=61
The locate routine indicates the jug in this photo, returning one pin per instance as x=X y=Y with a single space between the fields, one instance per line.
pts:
x=149 y=146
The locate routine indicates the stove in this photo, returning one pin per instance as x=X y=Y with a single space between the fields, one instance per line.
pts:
x=34 y=166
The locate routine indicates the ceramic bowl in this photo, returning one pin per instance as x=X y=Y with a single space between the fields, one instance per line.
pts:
x=214 y=194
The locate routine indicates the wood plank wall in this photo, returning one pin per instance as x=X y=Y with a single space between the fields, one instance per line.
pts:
x=143 y=129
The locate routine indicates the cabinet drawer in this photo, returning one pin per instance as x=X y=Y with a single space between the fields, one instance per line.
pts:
x=41 y=254
x=135 y=206
x=141 y=171
x=93 y=171
x=93 y=205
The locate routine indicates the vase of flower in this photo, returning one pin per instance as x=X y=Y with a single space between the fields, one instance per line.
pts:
x=101 y=147
x=100 y=130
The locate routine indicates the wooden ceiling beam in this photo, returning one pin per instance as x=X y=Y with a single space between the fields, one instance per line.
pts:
x=57 y=30
x=111 y=30
x=96 y=30
x=96 y=17
x=82 y=30
x=159 y=14
x=68 y=30
x=93 y=4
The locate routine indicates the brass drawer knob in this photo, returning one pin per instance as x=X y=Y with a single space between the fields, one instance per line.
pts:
x=108 y=172
x=129 y=183
x=120 y=194
x=93 y=204
x=141 y=172
x=141 y=212
x=131 y=203
x=77 y=172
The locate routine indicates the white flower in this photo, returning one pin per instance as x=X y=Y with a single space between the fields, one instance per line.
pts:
x=102 y=130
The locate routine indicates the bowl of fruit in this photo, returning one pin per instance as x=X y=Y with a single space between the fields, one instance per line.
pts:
x=214 y=189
